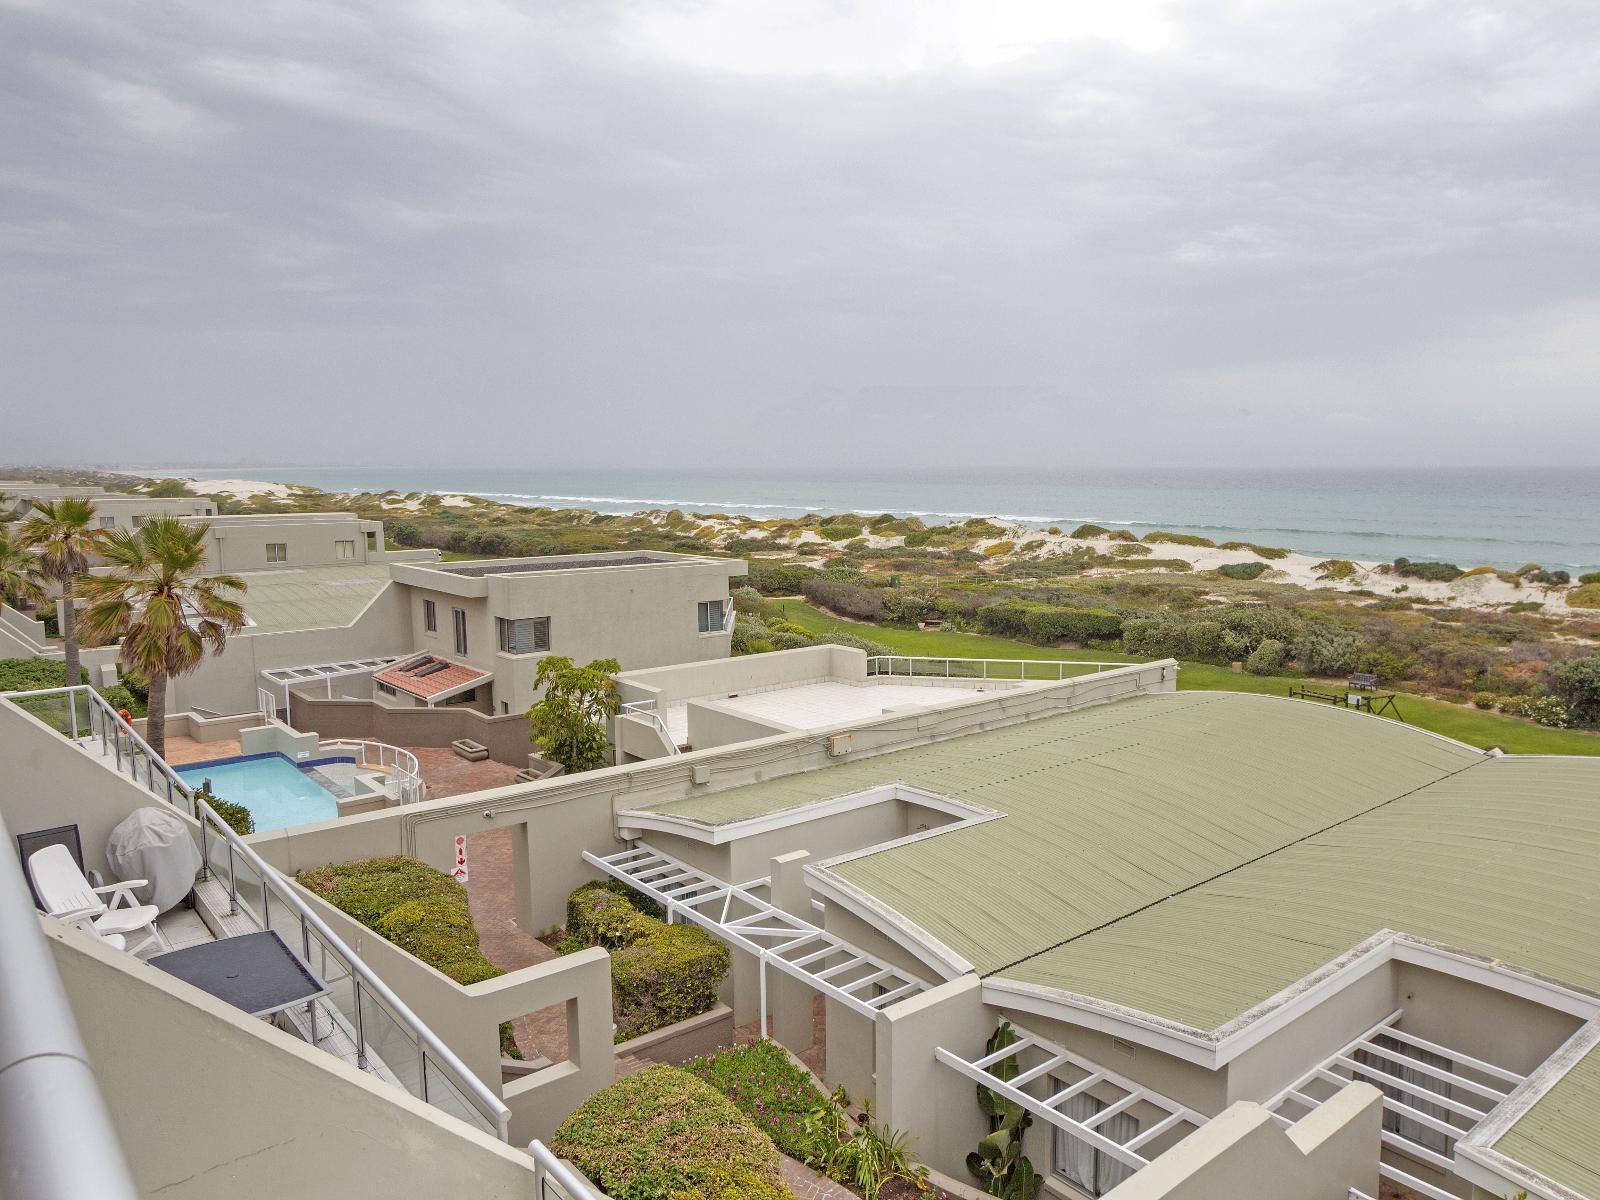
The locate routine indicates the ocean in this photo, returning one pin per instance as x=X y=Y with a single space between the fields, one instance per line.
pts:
x=1502 y=517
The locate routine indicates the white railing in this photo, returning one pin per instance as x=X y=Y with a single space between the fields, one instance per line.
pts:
x=912 y=665
x=554 y=1179
x=374 y=1013
x=727 y=618
x=650 y=711
x=399 y=762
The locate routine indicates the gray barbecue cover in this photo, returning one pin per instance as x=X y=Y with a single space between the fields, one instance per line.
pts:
x=155 y=845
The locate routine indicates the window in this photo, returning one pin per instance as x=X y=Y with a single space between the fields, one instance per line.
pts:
x=526 y=635
x=711 y=616
x=1080 y=1164
x=1415 y=1084
x=344 y=550
x=138 y=520
x=430 y=616
x=108 y=522
x=277 y=551
x=387 y=690
x=460 y=615
x=372 y=540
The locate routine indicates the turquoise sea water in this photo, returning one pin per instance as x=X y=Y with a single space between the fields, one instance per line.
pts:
x=1503 y=517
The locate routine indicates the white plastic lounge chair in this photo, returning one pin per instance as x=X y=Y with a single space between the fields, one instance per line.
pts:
x=68 y=896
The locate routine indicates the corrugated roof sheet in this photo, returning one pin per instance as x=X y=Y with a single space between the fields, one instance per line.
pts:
x=1500 y=860
x=1109 y=809
x=1560 y=1135
x=311 y=597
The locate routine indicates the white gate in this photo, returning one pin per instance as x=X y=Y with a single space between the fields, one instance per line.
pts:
x=267 y=703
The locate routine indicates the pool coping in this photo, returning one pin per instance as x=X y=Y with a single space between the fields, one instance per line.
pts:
x=243 y=758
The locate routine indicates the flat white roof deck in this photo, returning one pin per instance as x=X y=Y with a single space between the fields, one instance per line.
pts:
x=829 y=703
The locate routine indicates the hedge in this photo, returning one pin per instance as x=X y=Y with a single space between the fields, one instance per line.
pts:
x=777 y=579
x=1071 y=624
x=660 y=973
x=662 y=1132
x=846 y=599
x=417 y=907
x=736 y=1185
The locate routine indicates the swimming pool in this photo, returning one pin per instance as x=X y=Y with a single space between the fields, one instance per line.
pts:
x=276 y=791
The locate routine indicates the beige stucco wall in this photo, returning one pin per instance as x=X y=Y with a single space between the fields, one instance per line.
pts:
x=508 y=738
x=227 y=683
x=47 y=783
x=643 y=616
x=748 y=673
x=467 y=1019
x=209 y=1102
x=239 y=543
x=1243 y=1152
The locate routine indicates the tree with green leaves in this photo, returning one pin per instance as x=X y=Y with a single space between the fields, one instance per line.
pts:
x=569 y=720
x=998 y=1163
x=64 y=534
x=166 y=610
x=19 y=572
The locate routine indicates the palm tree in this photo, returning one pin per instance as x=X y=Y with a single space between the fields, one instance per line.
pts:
x=64 y=534
x=19 y=571
x=167 y=613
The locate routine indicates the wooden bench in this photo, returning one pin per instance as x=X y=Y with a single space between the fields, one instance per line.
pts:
x=470 y=750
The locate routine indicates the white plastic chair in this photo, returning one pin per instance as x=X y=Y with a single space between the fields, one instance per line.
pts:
x=69 y=897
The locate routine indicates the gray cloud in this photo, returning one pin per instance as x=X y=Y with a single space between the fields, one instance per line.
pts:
x=459 y=231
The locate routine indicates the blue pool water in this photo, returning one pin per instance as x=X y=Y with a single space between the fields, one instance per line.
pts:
x=277 y=793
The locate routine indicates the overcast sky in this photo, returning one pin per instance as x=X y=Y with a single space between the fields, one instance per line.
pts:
x=806 y=232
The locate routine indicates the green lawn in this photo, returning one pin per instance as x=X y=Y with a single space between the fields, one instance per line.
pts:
x=1459 y=721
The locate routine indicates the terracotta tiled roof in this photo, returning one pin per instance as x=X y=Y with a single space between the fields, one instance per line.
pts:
x=427 y=675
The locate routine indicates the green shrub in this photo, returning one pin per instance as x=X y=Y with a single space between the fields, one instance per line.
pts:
x=1049 y=625
x=1434 y=572
x=768 y=1088
x=871 y=648
x=1122 y=535
x=120 y=697
x=1088 y=531
x=1589 y=577
x=1131 y=550
x=1549 y=578
x=1587 y=596
x=919 y=537
x=846 y=599
x=1002 y=547
x=840 y=533
x=1267 y=658
x=1525 y=606
x=1335 y=568
x=1157 y=564
x=735 y=1185
x=1004 y=618
x=1546 y=710
x=1321 y=650
x=31 y=674
x=660 y=973
x=235 y=816
x=1179 y=539
x=778 y=579
x=1579 y=680
x=662 y=1132
x=1243 y=570
x=1484 y=700
x=1262 y=551
x=419 y=908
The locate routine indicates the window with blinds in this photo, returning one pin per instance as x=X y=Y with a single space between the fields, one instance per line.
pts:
x=711 y=616
x=524 y=635
x=460 y=616
x=1091 y=1170
x=430 y=616
x=344 y=549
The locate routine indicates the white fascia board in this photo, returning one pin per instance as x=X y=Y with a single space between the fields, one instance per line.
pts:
x=801 y=814
x=1216 y=1048
x=908 y=934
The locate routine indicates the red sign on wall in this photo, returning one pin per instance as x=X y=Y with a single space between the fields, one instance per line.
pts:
x=460 y=869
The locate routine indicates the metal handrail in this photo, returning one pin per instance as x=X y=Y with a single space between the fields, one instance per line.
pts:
x=363 y=977
x=650 y=710
x=404 y=763
x=546 y=1165
x=111 y=738
x=727 y=618
x=875 y=665
x=56 y=1137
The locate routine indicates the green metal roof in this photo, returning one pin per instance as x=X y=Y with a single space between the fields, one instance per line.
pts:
x=1559 y=1136
x=1498 y=860
x=311 y=597
x=1108 y=809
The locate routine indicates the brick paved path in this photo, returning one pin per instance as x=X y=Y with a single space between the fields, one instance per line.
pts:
x=806 y=1184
